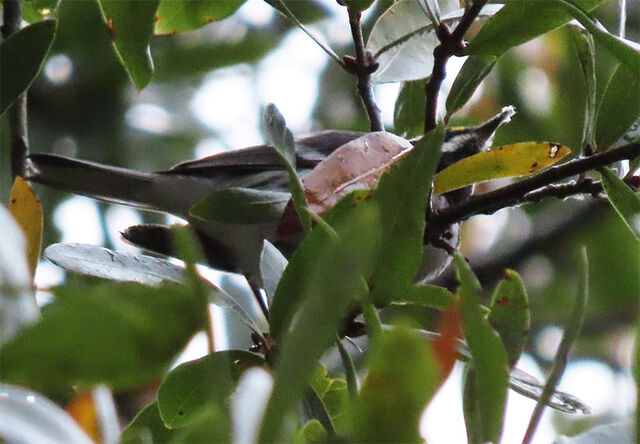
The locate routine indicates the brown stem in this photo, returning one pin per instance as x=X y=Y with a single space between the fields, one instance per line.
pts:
x=17 y=114
x=362 y=67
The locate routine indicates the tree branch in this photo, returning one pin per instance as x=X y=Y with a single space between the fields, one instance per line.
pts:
x=17 y=114
x=451 y=43
x=362 y=66
x=525 y=190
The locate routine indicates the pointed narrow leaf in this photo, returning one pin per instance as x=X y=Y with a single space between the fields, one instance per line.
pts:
x=191 y=387
x=619 y=107
x=623 y=199
x=408 y=114
x=241 y=206
x=21 y=58
x=175 y=16
x=113 y=333
x=510 y=315
x=474 y=70
x=488 y=382
x=272 y=265
x=25 y=208
x=131 y=24
x=515 y=160
x=402 y=378
x=505 y=29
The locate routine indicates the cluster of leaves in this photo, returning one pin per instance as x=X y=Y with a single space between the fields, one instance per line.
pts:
x=362 y=253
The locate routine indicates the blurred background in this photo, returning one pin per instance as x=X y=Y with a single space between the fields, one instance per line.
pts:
x=207 y=95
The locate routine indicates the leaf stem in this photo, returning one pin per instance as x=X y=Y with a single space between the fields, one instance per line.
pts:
x=17 y=114
x=362 y=66
x=451 y=43
x=568 y=338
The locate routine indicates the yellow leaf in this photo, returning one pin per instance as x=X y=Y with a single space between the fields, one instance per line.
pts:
x=83 y=410
x=514 y=160
x=27 y=211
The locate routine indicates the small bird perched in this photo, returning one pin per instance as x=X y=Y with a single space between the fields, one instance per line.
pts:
x=229 y=247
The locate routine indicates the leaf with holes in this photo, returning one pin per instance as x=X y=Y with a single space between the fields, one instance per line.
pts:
x=514 y=160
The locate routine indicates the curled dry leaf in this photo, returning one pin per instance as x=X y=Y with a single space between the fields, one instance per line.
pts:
x=356 y=165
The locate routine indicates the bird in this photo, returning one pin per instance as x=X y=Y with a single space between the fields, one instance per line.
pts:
x=231 y=247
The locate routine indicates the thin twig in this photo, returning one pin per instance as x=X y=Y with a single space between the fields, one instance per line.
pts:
x=18 y=112
x=521 y=192
x=451 y=43
x=562 y=356
x=362 y=66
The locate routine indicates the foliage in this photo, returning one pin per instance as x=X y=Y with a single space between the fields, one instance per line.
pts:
x=335 y=232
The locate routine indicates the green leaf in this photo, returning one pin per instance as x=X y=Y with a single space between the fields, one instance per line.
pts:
x=636 y=373
x=130 y=24
x=21 y=58
x=507 y=29
x=488 y=382
x=146 y=427
x=36 y=10
x=211 y=426
x=431 y=296
x=194 y=385
x=281 y=138
x=324 y=277
x=241 y=206
x=408 y=114
x=586 y=50
x=619 y=107
x=402 y=196
x=510 y=315
x=402 y=378
x=623 y=199
x=474 y=70
x=514 y=160
x=175 y=16
x=305 y=12
x=119 y=334
x=312 y=431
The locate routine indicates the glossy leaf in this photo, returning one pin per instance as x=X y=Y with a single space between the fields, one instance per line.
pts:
x=119 y=334
x=402 y=196
x=325 y=275
x=194 y=385
x=510 y=315
x=27 y=416
x=241 y=206
x=515 y=160
x=26 y=210
x=21 y=58
x=281 y=138
x=474 y=70
x=619 y=107
x=37 y=10
x=505 y=29
x=146 y=426
x=425 y=296
x=403 y=39
x=586 y=50
x=130 y=25
x=486 y=390
x=17 y=302
x=623 y=199
x=272 y=265
x=408 y=114
x=401 y=380
x=175 y=16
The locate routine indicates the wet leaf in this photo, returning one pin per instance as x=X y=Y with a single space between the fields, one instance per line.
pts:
x=27 y=416
x=515 y=160
x=474 y=70
x=623 y=199
x=241 y=206
x=175 y=16
x=510 y=315
x=486 y=385
x=131 y=24
x=21 y=58
x=505 y=29
x=403 y=39
x=191 y=387
x=619 y=107
x=121 y=334
x=401 y=380
x=26 y=210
